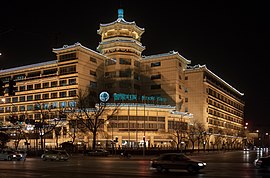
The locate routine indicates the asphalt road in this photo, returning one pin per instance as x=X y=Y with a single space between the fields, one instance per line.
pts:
x=221 y=165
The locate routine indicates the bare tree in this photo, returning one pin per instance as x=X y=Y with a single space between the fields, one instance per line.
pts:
x=91 y=114
x=47 y=119
x=196 y=133
x=179 y=131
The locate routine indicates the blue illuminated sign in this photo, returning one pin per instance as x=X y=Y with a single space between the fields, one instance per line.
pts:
x=134 y=97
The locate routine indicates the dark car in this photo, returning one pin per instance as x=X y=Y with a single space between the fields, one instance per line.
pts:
x=11 y=155
x=263 y=163
x=55 y=155
x=98 y=152
x=174 y=161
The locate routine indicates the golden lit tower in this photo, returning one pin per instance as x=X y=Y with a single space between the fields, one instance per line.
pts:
x=120 y=42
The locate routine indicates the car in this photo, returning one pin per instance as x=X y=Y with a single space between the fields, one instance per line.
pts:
x=176 y=161
x=262 y=163
x=55 y=155
x=98 y=152
x=9 y=155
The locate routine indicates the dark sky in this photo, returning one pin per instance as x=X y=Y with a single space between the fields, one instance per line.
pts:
x=230 y=37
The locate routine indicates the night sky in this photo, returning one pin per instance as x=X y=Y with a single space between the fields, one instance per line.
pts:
x=229 y=37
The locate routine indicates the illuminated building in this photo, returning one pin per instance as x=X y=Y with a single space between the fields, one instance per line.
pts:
x=156 y=91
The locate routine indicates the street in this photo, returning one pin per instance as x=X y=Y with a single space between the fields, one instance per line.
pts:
x=224 y=165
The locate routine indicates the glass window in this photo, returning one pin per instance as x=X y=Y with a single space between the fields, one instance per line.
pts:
x=63 y=82
x=22 y=88
x=38 y=97
x=155 y=64
x=38 y=86
x=63 y=94
x=30 y=87
x=72 y=93
x=66 y=57
x=22 y=98
x=67 y=70
x=72 y=81
x=30 y=98
x=54 y=84
x=54 y=95
x=30 y=107
x=125 y=61
x=45 y=96
x=46 y=85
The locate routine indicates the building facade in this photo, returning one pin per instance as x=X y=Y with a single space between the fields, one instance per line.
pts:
x=157 y=92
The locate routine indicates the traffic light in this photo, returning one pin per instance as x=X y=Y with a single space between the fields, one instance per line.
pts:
x=143 y=138
x=116 y=139
x=2 y=88
x=11 y=87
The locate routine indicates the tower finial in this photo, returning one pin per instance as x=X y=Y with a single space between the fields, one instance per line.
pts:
x=120 y=13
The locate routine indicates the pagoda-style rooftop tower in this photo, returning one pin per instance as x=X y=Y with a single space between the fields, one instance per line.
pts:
x=120 y=36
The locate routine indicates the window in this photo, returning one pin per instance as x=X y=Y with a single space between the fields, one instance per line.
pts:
x=153 y=77
x=110 y=74
x=34 y=74
x=54 y=84
x=30 y=98
x=66 y=57
x=94 y=60
x=30 y=107
x=63 y=82
x=22 y=98
x=110 y=62
x=19 y=77
x=67 y=70
x=15 y=99
x=38 y=97
x=30 y=87
x=125 y=61
x=38 y=86
x=93 y=84
x=72 y=81
x=154 y=87
x=50 y=71
x=93 y=73
x=63 y=94
x=155 y=64
x=46 y=85
x=22 y=88
x=22 y=108
x=72 y=93
x=53 y=95
x=45 y=96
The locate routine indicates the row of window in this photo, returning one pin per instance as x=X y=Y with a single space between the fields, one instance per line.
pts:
x=38 y=107
x=222 y=124
x=52 y=95
x=37 y=74
x=123 y=61
x=224 y=107
x=47 y=85
x=224 y=98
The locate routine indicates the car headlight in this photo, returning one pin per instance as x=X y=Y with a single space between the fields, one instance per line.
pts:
x=201 y=164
